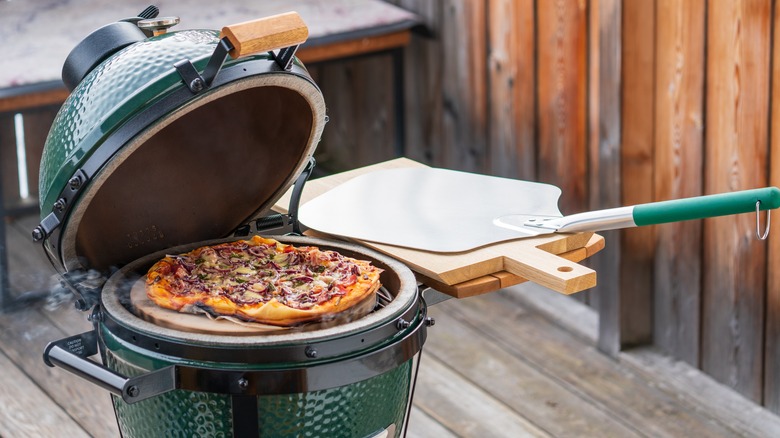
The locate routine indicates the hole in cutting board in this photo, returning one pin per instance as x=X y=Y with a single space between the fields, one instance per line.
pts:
x=565 y=269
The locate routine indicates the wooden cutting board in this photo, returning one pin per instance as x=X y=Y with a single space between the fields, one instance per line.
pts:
x=538 y=259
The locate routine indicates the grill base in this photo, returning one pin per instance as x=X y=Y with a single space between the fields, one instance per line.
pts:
x=360 y=409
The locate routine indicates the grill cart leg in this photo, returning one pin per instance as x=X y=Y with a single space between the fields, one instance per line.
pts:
x=245 y=417
x=5 y=287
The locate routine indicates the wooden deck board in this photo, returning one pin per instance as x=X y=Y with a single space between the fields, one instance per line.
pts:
x=676 y=377
x=478 y=360
x=465 y=408
x=27 y=411
x=598 y=380
x=495 y=365
x=423 y=426
x=25 y=334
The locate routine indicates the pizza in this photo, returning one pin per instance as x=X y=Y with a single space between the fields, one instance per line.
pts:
x=262 y=280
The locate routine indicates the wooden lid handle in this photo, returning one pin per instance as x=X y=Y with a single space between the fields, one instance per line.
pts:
x=265 y=34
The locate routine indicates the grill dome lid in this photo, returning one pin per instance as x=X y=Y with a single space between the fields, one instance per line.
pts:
x=141 y=158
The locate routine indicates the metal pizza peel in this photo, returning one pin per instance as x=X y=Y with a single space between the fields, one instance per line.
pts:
x=448 y=211
x=427 y=208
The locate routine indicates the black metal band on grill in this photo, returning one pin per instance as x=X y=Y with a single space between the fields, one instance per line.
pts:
x=297 y=353
x=315 y=376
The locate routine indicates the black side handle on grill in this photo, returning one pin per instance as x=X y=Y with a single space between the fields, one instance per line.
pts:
x=72 y=354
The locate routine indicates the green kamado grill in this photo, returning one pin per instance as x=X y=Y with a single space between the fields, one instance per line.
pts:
x=168 y=141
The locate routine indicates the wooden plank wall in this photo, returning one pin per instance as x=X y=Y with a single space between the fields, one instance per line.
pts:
x=360 y=131
x=678 y=149
x=624 y=102
x=772 y=333
x=636 y=151
x=605 y=177
x=736 y=151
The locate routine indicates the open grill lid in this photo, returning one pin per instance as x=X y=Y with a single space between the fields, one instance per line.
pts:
x=169 y=140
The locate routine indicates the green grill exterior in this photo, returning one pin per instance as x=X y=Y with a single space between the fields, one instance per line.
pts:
x=108 y=96
x=360 y=409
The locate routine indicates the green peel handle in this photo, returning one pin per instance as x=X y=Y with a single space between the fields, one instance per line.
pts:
x=706 y=206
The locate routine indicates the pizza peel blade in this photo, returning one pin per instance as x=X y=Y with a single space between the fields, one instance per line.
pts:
x=431 y=209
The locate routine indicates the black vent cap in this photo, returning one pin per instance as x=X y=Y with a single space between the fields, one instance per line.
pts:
x=96 y=47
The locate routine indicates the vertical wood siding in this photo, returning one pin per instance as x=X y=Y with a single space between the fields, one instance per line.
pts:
x=678 y=160
x=360 y=129
x=625 y=102
x=605 y=164
x=734 y=261
x=772 y=334
x=512 y=88
x=562 y=67
x=635 y=285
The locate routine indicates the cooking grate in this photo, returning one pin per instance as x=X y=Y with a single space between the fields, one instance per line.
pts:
x=383 y=298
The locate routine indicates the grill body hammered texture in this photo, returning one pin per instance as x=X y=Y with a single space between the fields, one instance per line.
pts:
x=360 y=409
x=121 y=86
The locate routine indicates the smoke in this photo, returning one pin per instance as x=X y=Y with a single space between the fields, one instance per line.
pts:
x=58 y=294
x=84 y=285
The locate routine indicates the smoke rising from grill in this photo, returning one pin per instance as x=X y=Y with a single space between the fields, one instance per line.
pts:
x=84 y=285
x=58 y=295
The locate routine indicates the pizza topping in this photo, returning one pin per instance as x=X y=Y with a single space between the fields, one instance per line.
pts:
x=257 y=271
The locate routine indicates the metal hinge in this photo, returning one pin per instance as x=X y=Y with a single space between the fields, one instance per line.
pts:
x=194 y=80
x=282 y=223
